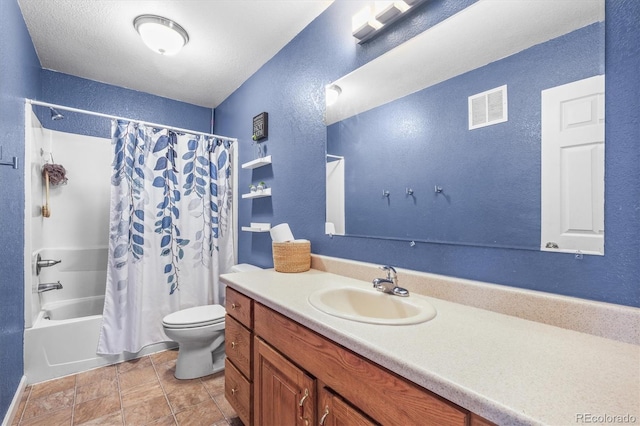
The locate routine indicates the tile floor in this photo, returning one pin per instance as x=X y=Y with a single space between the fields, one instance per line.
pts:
x=139 y=392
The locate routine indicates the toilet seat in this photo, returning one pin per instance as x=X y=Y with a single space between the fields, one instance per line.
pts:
x=198 y=316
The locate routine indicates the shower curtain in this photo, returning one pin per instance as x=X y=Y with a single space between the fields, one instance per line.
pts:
x=170 y=231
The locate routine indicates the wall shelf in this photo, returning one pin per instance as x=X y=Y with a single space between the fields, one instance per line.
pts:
x=258 y=194
x=254 y=164
x=252 y=229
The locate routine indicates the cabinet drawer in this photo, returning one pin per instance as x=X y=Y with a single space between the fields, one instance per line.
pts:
x=240 y=307
x=238 y=345
x=237 y=391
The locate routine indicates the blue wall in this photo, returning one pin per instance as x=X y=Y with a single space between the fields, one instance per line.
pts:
x=75 y=92
x=491 y=175
x=291 y=88
x=22 y=77
x=19 y=78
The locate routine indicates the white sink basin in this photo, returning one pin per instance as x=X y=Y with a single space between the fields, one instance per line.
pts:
x=372 y=306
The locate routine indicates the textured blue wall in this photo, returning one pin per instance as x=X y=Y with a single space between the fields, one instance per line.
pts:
x=75 y=92
x=23 y=78
x=19 y=78
x=291 y=88
x=491 y=175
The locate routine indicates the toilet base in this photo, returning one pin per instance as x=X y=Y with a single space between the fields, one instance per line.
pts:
x=194 y=364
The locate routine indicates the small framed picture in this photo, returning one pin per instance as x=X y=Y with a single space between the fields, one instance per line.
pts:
x=260 y=126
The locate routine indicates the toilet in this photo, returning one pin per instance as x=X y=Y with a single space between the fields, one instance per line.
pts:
x=199 y=332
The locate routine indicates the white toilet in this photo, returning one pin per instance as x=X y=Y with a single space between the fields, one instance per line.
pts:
x=199 y=332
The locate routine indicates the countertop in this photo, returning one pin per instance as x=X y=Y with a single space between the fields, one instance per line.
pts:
x=509 y=370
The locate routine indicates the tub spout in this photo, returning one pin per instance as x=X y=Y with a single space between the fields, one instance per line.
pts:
x=49 y=286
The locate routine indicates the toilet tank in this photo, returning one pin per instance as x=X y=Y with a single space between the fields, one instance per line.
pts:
x=244 y=267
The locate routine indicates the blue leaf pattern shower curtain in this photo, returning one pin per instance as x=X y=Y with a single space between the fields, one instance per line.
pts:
x=170 y=231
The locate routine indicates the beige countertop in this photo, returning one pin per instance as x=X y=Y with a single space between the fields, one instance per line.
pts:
x=509 y=370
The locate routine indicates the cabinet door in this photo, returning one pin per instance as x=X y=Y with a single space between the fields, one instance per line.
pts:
x=333 y=411
x=284 y=394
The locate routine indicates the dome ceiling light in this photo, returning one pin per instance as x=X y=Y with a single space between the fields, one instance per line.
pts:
x=161 y=35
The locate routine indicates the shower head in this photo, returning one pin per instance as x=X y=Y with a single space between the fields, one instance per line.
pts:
x=55 y=115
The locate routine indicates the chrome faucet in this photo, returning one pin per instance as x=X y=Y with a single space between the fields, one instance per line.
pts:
x=390 y=284
x=49 y=286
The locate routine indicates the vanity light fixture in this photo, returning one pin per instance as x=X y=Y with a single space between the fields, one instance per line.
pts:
x=332 y=92
x=363 y=24
x=391 y=12
x=161 y=35
x=373 y=19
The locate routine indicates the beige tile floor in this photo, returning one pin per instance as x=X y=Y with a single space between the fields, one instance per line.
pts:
x=139 y=392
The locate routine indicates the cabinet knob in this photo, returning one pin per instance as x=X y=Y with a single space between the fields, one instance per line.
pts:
x=233 y=391
x=233 y=345
x=233 y=306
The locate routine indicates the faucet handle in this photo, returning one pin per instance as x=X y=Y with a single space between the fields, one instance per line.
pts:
x=389 y=270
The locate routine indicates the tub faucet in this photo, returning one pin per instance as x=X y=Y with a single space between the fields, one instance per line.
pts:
x=390 y=284
x=49 y=286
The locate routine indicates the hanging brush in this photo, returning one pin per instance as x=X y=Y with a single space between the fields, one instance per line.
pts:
x=53 y=174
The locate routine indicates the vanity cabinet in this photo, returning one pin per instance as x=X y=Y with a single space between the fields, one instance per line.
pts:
x=334 y=411
x=238 y=343
x=299 y=377
x=284 y=393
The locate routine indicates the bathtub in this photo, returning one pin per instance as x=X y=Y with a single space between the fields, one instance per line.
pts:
x=66 y=326
x=64 y=338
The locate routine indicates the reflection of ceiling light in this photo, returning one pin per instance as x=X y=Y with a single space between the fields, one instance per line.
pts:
x=160 y=34
x=333 y=91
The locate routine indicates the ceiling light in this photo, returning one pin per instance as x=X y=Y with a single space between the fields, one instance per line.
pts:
x=161 y=35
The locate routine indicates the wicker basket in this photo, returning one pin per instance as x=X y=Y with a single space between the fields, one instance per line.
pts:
x=292 y=257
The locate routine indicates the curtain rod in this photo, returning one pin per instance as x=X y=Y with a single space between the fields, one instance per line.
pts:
x=99 y=114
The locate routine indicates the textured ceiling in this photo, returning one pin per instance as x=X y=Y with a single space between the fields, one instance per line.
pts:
x=229 y=41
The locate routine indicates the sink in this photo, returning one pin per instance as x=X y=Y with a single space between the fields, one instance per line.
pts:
x=372 y=306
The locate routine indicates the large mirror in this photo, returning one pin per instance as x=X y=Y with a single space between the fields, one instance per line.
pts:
x=487 y=129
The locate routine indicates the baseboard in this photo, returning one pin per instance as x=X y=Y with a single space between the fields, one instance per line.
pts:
x=15 y=403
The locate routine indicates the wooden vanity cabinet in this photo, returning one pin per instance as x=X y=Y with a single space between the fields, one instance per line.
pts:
x=284 y=393
x=298 y=377
x=335 y=411
x=238 y=386
x=383 y=396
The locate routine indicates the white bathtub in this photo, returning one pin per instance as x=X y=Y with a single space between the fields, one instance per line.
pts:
x=64 y=338
x=55 y=312
x=66 y=328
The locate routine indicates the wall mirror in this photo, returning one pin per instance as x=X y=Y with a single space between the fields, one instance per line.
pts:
x=453 y=136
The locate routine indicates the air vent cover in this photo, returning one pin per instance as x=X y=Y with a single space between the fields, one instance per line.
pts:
x=488 y=108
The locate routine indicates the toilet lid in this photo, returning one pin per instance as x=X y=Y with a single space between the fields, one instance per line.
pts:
x=195 y=317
